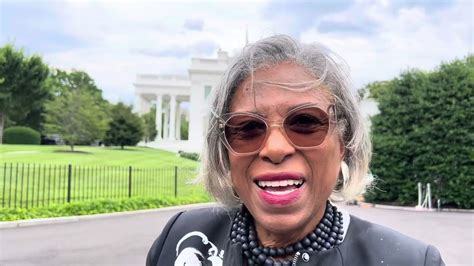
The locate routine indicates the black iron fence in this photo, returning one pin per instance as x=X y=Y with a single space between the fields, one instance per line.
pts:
x=32 y=185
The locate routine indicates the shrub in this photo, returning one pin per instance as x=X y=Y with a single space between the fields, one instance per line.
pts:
x=21 y=135
x=96 y=207
x=424 y=134
x=189 y=155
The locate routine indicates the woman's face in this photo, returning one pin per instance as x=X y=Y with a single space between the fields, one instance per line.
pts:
x=286 y=213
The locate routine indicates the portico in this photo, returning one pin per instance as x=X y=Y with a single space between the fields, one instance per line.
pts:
x=179 y=99
x=166 y=94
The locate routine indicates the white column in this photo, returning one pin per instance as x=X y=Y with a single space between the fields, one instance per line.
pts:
x=159 y=107
x=172 y=127
x=147 y=105
x=166 y=124
x=178 y=121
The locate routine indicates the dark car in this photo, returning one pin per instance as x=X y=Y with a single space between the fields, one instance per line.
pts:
x=53 y=139
x=45 y=140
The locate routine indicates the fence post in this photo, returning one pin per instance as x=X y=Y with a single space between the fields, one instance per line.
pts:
x=428 y=194
x=420 y=194
x=69 y=177
x=4 y=183
x=176 y=181
x=130 y=181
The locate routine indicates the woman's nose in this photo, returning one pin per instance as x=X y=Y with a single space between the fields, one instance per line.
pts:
x=276 y=148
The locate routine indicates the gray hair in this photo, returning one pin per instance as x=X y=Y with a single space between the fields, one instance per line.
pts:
x=331 y=72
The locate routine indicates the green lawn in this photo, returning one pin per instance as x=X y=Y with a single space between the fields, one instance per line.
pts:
x=86 y=155
x=33 y=176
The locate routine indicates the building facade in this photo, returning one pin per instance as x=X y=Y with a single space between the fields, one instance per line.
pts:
x=180 y=99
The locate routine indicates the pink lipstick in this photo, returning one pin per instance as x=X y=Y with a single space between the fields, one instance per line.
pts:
x=280 y=188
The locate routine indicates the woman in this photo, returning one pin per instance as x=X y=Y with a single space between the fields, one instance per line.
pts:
x=285 y=138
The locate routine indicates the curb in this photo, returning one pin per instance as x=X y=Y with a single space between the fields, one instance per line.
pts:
x=72 y=219
x=415 y=209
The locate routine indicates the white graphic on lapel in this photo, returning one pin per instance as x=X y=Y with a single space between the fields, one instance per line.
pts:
x=192 y=255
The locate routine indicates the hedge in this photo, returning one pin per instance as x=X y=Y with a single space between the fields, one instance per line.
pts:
x=189 y=155
x=95 y=207
x=21 y=135
x=424 y=133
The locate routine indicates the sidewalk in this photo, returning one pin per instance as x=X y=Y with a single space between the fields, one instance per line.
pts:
x=407 y=208
x=71 y=219
x=85 y=239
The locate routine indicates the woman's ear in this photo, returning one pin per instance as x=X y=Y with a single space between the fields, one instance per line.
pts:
x=342 y=148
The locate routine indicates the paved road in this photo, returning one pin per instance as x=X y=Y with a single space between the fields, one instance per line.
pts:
x=124 y=240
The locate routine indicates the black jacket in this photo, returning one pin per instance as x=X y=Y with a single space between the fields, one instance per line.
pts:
x=202 y=237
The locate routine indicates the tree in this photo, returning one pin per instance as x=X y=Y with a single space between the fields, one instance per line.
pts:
x=423 y=133
x=22 y=90
x=184 y=132
x=149 y=129
x=125 y=128
x=61 y=81
x=77 y=117
x=78 y=83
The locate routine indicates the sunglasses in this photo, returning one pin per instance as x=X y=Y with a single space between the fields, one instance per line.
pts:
x=305 y=127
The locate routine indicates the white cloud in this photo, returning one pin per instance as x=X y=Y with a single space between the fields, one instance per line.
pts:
x=407 y=38
x=194 y=24
x=119 y=39
x=123 y=39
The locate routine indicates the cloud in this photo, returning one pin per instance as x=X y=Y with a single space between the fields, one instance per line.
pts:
x=204 y=47
x=411 y=37
x=344 y=27
x=25 y=29
x=429 y=6
x=194 y=24
x=116 y=40
x=295 y=17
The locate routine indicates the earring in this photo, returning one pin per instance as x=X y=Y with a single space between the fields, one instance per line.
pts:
x=344 y=172
x=236 y=196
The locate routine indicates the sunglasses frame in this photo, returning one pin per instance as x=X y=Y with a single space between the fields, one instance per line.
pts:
x=222 y=120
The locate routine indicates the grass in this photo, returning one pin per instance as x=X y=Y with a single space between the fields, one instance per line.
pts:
x=33 y=176
x=86 y=155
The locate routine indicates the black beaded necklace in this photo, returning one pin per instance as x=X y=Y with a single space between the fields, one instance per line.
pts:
x=326 y=235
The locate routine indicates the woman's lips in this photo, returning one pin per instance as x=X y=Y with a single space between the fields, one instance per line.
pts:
x=280 y=188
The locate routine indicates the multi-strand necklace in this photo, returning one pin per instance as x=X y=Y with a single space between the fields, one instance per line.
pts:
x=326 y=235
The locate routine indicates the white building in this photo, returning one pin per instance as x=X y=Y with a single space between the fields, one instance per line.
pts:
x=171 y=93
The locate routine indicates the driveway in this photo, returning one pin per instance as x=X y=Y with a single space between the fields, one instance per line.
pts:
x=125 y=239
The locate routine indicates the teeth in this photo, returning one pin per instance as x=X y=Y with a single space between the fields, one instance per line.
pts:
x=280 y=183
x=280 y=193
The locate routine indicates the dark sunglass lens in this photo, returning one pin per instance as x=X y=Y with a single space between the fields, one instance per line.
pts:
x=307 y=127
x=245 y=133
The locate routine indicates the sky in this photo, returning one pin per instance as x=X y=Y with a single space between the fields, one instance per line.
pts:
x=114 y=41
